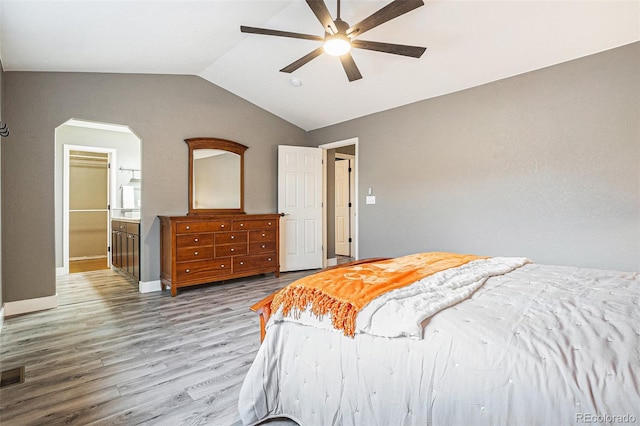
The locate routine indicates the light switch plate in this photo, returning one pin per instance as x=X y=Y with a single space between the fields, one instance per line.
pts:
x=371 y=199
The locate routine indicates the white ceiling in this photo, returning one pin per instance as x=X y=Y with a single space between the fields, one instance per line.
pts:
x=468 y=43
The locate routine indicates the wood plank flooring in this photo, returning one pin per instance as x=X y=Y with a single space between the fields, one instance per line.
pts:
x=86 y=265
x=110 y=355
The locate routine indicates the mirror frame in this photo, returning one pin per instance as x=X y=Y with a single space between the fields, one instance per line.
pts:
x=224 y=145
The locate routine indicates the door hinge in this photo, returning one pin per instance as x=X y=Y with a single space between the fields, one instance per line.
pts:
x=350 y=205
x=108 y=249
x=350 y=240
x=349 y=169
x=108 y=206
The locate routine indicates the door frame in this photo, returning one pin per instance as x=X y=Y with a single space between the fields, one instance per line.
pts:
x=111 y=196
x=352 y=191
x=356 y=231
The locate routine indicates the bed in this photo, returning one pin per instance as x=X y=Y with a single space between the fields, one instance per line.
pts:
x=521 y=344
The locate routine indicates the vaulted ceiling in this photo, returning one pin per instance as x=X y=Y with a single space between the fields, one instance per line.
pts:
x=469 y=43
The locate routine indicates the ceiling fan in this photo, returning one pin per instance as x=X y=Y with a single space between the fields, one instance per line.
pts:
x=340 y=37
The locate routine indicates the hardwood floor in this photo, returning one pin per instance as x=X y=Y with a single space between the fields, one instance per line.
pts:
x=86 y=265
x=109 y=354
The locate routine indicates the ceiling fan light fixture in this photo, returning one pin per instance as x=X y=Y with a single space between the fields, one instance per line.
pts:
x=337 y=45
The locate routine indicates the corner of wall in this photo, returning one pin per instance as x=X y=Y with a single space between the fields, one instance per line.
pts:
x=149 y=286
x=20 y=307
x=1 y=318
x=1 y=295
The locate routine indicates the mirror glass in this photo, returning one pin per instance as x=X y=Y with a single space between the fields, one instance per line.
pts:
x=216 y=169
x=216 y=179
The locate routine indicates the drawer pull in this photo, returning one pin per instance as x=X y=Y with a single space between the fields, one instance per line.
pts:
x=233 y=237
x=242 y=225
x=242 y=263
x=188 y=270
x=195 y=253
x=187 y=227
x=196 y=240
x=264 y=235
x=222 y=266
x=263 y=246
x=269 y=259
x=269 y=223
x=222 y=226
x=232 y=250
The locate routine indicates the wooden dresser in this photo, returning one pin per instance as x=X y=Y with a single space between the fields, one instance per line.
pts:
x=202 y=249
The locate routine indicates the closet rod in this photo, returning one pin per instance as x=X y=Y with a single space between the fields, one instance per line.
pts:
x=90 y=157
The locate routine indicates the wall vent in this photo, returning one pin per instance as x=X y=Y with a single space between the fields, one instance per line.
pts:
x=12 y=377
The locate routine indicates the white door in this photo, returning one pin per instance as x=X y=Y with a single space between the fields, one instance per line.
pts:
x=342 y=208
x=300 y=199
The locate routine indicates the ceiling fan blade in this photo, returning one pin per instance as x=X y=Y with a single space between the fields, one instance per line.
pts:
x=278 y=33
x=300 y=62
x=350 y=67
x=319 y=9
x=387 y=13
x=395 y=49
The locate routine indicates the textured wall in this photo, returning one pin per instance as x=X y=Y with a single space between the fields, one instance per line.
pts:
x=545 y=165
x=163 y=110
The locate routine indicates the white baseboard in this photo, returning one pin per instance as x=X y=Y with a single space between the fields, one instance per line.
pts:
x=61 y=271
x=331 y=262
x=1 y=318
x=30 y=305
x=149 y=286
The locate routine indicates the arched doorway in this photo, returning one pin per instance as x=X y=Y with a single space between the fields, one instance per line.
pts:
x=98 y=176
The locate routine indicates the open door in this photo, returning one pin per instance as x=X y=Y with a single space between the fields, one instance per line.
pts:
x=343 y=207
x=300 y=199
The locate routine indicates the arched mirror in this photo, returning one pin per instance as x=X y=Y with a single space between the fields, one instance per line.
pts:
x=216 y=176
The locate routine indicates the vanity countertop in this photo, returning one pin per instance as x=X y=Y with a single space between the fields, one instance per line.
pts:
x=127 y=219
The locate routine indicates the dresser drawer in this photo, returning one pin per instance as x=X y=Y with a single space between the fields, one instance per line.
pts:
x=132 y=228
x=263 y=247
x=185 y=254
x=262 y=235
x=191 y=271
x=202 y=226
x=230 y=237
x=230 y=250
x=194 y=240
x=250 y=263
x=254 y=224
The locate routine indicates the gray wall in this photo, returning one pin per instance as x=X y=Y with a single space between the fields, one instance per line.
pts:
x=163 y=110
x=544 y=165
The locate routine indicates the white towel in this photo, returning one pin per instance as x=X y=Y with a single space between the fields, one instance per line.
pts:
x=128 y=198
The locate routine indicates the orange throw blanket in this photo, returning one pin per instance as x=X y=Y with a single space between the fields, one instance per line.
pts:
x=342 y=292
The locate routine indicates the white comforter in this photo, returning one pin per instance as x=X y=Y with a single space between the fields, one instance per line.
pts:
x=541 y=345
